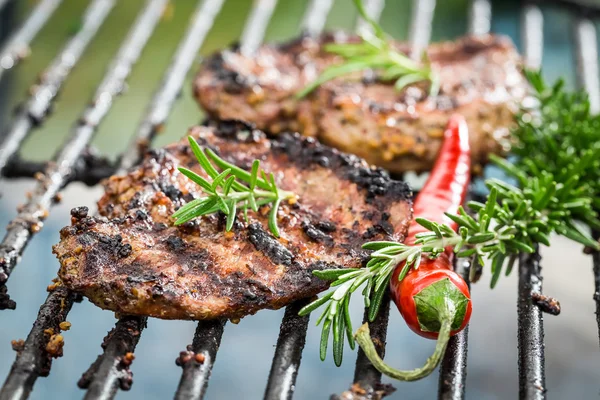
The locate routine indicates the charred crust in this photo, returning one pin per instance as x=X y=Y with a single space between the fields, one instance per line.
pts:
x=307 y=152
x=79 y=212
x=268 y=245
x=171 y=191
x=238 y=130
x=231 y=81
x=175 y=243
x=326 y=226
x=159 y=226
x=316 y=234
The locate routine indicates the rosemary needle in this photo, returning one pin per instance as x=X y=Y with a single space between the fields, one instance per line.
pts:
x=231 y=190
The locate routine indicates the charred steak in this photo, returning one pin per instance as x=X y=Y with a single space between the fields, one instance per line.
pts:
x=400 y=131
x=133 y=260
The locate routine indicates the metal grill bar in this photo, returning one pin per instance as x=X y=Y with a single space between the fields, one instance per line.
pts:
x=196 y=371
x=30 y=217
x=532 y=35
x=292 y=331
x=480 y=20
x=365 y=375
x=453 y=369
x=420 y=26
x=164 y=98
x=37 y=107
x=111 y=370
x=587 y=77
x=586 y=43
x=288 y=353
x=530 y=322
x=34 y=360
x=195 y=380
x=256 y=26
x=532 y=380
x=596 y=261
x=17 y=46
x=316 y=16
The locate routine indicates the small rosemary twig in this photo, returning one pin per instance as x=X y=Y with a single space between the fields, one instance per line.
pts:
x=227 y=193
x=376 y=52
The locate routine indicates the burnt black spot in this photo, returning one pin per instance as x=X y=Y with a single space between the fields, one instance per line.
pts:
x=158 y=154
x=232 y=81
x=79 y=212
x=268 y=245
x=157 y=291
x=248 y=295
x=386 y=227
x=370 y=232
x=135 y=201
x=159 y=226
x=198 y=261
x=326 y=226
x=306 y=153
x=315 y=234
x=124 y=250
x=103 y=239
x=85 y=239
x=175 y=243
x=141 y=215
x=242 y=131
x=171 y=192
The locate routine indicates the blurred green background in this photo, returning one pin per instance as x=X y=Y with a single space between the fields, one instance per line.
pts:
x=244 y=360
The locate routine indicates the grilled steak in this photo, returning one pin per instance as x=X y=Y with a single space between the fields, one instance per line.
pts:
x=133 y=260
x=359 y=114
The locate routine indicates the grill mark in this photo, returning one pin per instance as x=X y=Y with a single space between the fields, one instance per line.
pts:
x=307 y=153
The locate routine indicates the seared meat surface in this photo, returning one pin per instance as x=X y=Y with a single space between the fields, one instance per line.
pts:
x=133 y=260
x=400 y=131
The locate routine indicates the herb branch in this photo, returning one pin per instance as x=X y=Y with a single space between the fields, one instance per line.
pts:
x=375 y=51
x=230 y=190
x=558 y=174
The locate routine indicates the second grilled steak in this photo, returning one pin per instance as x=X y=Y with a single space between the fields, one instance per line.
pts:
x=133 y=260
x=480 y=78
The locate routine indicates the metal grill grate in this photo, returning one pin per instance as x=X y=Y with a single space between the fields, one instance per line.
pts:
x=109 y=372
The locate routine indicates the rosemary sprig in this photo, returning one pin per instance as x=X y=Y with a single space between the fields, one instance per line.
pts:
x=558 y=174
x=227 y=193
x=376 y=52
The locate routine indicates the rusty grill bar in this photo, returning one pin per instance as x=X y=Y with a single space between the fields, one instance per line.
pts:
x=111 y=369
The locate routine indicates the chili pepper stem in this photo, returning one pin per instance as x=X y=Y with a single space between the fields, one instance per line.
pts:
x=363 y=337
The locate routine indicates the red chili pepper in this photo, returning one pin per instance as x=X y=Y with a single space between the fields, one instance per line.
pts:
x=433 y=299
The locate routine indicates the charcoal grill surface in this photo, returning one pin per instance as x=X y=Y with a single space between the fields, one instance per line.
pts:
x=109 y=374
